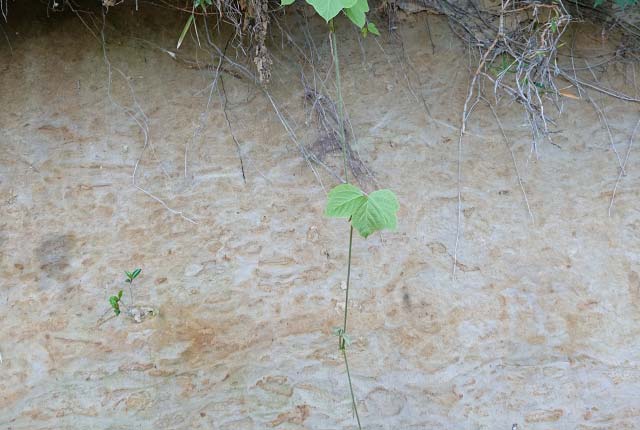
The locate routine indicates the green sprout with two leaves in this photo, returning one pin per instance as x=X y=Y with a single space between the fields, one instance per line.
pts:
x=116 y=301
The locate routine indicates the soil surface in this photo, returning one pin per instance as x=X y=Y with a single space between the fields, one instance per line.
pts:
x=241 y=277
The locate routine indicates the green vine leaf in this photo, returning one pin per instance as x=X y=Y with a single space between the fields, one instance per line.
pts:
x=343 y=201
x=378 y=212
x=368 y=214
x=357 y=13
x=328 y=9
x=286 y=2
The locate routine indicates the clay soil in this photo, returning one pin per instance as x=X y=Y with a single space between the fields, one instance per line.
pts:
x=540 y=326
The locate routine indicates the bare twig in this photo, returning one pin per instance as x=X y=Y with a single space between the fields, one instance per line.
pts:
x=622 y=169
x=138 y=116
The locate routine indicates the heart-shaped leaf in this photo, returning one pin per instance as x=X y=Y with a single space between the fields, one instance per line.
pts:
x=328 y=9
x=368 y=214
x=344 y=200
x=378 y=212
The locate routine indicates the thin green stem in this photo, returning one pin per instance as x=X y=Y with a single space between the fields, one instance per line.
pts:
x=336 y=65
x=353 y=397
x=342 y=340
x=346 y=295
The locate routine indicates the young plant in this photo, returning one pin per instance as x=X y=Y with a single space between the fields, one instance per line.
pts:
x=116 y=300
x=367 y=214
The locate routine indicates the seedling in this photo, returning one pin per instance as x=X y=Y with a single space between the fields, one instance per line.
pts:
x=367 y=214
x=116 y=301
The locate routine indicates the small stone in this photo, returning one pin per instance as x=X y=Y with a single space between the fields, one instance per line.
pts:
x=193 y=269
x=343 y=285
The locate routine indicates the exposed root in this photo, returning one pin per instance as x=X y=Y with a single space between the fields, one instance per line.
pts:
x=137 y=115
x=326 y=115
x=224 y=101
x=622 y=168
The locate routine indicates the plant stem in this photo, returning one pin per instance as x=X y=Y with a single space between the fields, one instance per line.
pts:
x=336 y=64
x=131 y=291
x=353 y=397
x=346 y=298
x=342 y=341
x=343 y=142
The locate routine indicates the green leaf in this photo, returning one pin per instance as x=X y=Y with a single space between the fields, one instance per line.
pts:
x=347 y=339
x=115 y=304
x=184 y=31
x=371 y=27
x=343 y=201
x=286 y=2
x=378 y=212
x=328 y=9
x=368 y=214
x=119 y=295
x=598 y=3
x=135 y=273
x=357 y=13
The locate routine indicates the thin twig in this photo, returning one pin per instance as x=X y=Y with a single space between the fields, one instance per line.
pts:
x=466 y=111
x=513 y=159
x=624 y=164
x=138 y=116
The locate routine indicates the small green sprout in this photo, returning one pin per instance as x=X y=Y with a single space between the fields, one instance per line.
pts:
x=132 y=275
x=116 y=301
